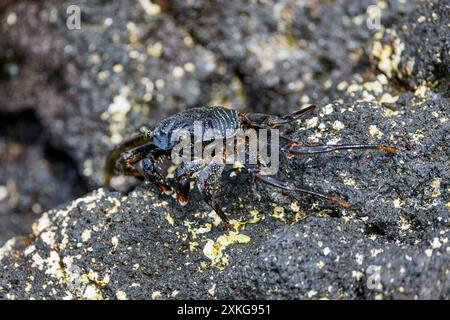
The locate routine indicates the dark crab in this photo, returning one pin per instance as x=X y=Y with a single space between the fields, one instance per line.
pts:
x=156 y=146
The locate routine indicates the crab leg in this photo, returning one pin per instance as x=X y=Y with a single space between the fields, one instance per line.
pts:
x=285 y=186
x=182 y=175
x=127 y=160
x=207 y=183
x=264 y=120
x=296 y=148
x=116 y=153
x=149 y=167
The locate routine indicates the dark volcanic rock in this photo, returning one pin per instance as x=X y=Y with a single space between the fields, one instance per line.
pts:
x=419 y=46
x=34 y=176
x=328 y=258
x=91 y=88
x=392 y=244
x=291 y=52
x=94 y=86
x=131 y=65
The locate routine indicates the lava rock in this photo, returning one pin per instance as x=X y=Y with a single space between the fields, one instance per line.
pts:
x=393 y=243
x=93 y=87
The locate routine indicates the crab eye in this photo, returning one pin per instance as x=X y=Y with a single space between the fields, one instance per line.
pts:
x=146 y=132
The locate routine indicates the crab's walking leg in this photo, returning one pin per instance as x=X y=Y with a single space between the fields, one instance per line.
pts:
x=284 y=185
x=207 y=184
x=149 y=167
x=110 y=163
x=182 y=179
x=261 y=119
x=293 y=147
x=127 y=160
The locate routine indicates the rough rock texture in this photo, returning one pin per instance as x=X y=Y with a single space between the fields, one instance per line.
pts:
x=133 y=63
x=91 y=88
x=34 y=175
x=144 y=245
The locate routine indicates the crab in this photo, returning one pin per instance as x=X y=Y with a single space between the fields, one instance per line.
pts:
x=155 y=146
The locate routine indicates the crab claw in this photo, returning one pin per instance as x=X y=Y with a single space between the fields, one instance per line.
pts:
x=183 y=187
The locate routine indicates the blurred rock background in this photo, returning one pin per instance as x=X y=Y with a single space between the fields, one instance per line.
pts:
x=67 y=96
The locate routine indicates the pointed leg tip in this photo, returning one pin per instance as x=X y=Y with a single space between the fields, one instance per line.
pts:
x=107 y=180
x=389 y=149
x=183 y=201
x=341 y=203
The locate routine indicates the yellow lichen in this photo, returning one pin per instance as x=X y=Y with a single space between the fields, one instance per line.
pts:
x=278 y=213
x=388 y=56
x=121 y=295
x=436 y=187
x=169 y=219
x=375 y=132
x=213 y=250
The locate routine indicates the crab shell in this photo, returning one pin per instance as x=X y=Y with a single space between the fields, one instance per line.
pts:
x=216 y=123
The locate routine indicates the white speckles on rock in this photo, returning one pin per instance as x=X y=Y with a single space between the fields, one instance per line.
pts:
x=436 y=244
x=3 y=193
x=115 y=242
x=436 y=187
x=375 y=132
x=121 y=295
x=375 y=252
x=29 y=250
x=86 y=235
x=311 y=293
x=38 y=262
x=338 y=125
x=178 y=72
x=42 y=224
x=92 y=293
x=212 y=290
x=169 y=218
x=328 y=109
x=350 y=182
x=312 y=123
x=116 y=115
x=398 y=203
x=359 y=258
x=11 y=19
x=150 y=8
x=48 y=237
x=358 y=275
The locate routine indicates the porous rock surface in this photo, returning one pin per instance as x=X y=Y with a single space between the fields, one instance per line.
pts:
x=386 y=85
